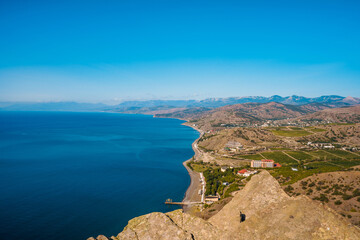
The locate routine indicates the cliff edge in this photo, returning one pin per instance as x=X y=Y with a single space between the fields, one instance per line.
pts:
x=269 y=214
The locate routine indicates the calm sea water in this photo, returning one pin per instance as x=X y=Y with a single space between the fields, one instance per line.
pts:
x=76 y=175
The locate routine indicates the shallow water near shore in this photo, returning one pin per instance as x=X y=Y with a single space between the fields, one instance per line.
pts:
x=76 y=175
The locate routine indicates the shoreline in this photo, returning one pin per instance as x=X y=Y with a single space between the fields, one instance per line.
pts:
x=191 y=194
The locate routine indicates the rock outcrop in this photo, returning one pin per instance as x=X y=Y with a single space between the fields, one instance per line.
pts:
x=270 y=214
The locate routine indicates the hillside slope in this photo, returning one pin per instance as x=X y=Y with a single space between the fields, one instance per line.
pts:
x=270 y=214
x=243 y=114
x=344 y=114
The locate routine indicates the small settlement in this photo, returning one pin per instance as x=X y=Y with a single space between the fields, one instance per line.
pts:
x=233 y=146
x=264 y=163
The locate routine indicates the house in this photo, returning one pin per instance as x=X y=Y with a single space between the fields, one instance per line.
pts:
x=242 y=172
x=321 y=145
x=211 y=199
x=246 y=173
x=223 y=169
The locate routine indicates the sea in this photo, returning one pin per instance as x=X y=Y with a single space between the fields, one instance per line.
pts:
x=69 y=175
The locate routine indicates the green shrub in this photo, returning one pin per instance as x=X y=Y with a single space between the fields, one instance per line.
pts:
x=356 y=192
x=322 y=198
x=346 y=197
x=289 y=189
x=336 y=192
x=233 y=187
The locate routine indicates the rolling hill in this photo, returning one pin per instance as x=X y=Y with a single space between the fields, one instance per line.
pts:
x=243 y=114
x=340 y=115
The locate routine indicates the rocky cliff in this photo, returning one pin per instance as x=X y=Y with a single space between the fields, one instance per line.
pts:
x=270 y=214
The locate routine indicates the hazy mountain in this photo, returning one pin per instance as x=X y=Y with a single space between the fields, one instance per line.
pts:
x=156 y=103
x=166 y=105
x=333 y=100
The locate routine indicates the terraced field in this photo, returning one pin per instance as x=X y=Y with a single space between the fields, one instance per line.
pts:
x=251 y=157
x=311 y=162
x=280 y=158
x=323 y=155
x=286 y=175
x=317 y=130
x=345 y=163
x=300 y=155
x=343 y=154
x=291 y=133
x=322 y=161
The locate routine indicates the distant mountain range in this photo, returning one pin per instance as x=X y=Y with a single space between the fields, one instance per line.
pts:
x=153 y=106
x=219 y=102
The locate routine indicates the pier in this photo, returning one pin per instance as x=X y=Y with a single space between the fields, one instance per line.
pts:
x=170 y=202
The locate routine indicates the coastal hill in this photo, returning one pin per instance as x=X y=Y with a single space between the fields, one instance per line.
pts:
x=243 y=114
x=251 y=111
x=269 y=214
x=344 y=114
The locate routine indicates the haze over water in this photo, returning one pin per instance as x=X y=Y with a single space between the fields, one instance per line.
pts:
x=75 y=175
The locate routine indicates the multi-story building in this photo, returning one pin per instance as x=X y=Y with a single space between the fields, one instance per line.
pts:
x=265 y=163
x=256 y=163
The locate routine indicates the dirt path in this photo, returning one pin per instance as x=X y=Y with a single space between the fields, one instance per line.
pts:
x=352 y=153
x=334 y=164
x=311 y=155
x=334 y=154
x=291 y=156
x=262 y=156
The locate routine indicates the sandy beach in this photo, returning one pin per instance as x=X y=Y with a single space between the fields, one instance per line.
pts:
x=192 y=193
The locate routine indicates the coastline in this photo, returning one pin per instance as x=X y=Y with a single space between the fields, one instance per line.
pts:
x=191 y=194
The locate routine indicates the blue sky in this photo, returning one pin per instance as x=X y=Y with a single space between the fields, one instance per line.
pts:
x=108 y=51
